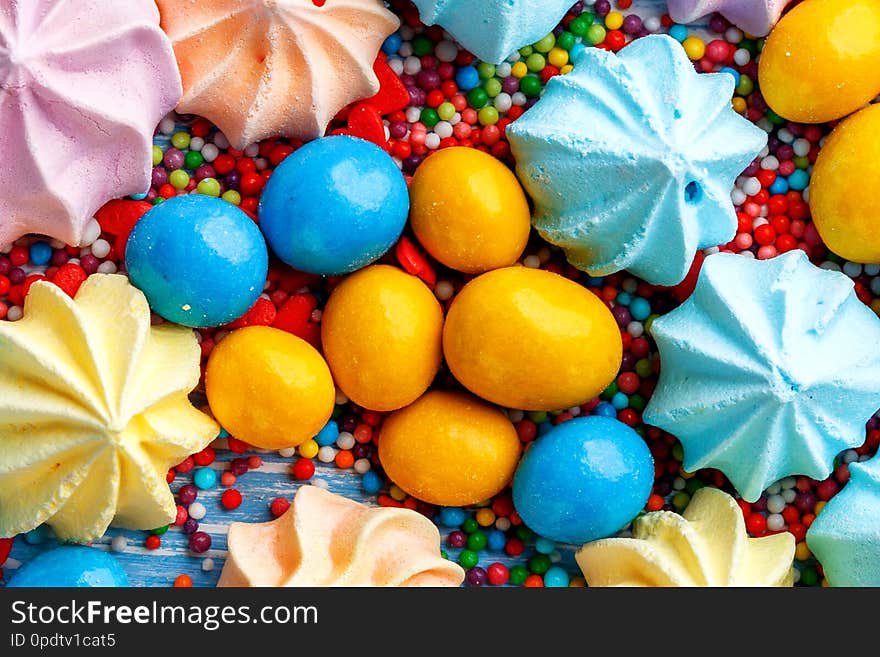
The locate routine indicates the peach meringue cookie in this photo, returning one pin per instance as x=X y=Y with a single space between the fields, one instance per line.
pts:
x=328 y=540
x=93 y=411
x=82 y=86
x=258 y=68
x=706 y=546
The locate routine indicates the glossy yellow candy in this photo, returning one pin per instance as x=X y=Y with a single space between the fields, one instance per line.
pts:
x=449 y=448
x=268 y=387
x=468 y=210
x=821 y=61
x=844 y=202
x=381 y=332
x=532 y=340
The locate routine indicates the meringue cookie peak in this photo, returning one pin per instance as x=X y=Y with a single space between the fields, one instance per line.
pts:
x=494 y=29
x=756 y=17
x=639 y=175
x=845 y=536
x=735 y=385
x=93 y=411
x=83 y=86
x=328 y=540
x=706 y=546
x=259 y=68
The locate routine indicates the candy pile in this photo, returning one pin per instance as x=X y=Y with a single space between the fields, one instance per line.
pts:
x=371 y=311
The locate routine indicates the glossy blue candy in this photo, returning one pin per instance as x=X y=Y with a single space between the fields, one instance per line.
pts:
x=334 y=206
x=583 y=480
x=199 y=260
x=328 y=434
x=70 y=565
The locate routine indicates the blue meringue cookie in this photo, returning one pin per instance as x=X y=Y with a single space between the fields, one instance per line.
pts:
x=845 y=537
x=630 y=160
x=769 y=369
x=493 y=29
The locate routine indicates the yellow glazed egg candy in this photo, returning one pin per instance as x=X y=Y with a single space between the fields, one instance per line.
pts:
x=381 y=331
x=268 y=387
x=846 y=209
x=531 y=340
x=449 y=448
x=468 y=210
x=821 y=61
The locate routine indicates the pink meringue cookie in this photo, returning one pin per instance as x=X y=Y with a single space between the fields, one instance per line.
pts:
x=755 y=17
x=325 y=539
x=259 y=68
x=83 y=84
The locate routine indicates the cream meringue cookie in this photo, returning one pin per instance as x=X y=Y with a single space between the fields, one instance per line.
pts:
x=82 y=86
x=325 y=539
x=258 y=68
x=94 y=411
x=706 y=546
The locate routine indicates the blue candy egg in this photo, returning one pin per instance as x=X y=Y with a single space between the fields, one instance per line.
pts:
x=334 y=206
x=199 y=260
x=584 y=480
x=69 y=566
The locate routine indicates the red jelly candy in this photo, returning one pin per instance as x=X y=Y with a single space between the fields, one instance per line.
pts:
x=118 y=217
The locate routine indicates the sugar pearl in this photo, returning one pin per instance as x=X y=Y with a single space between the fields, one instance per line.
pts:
x=775 y=503
x=326 y=454
x=345 y=440
x=14 y=313
x=196 y=144
x=100 y=248
x=412 y=65
x=444 y=290
x=91 y=233
x=362 y=465
x=287 y=452
x=210 y=152
x=252 y=150
x=775 y=522
x=107 y=267
x=446 y=51
x=197 y=511
x=119 y=544
x=207 y=565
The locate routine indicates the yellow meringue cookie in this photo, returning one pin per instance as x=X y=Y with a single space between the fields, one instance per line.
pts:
x=328 y=540
x=93 y=411
x=706 y=546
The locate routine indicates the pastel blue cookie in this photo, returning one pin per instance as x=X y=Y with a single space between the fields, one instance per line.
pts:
x=638 y=175
x=493 y=29
x=769 y=369
x=70 y=566
x=845 y=537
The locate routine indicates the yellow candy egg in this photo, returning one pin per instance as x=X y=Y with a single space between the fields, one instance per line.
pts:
x=449 y=448
x=268 y=387
x=468 y=210
x=845 y=206
x=381 y=331
x=532 y=340
x=820 y=62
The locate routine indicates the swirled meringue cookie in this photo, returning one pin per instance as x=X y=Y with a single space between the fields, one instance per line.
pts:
x=328 y=540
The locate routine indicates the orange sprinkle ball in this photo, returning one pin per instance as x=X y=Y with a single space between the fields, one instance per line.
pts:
x=183 y=582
